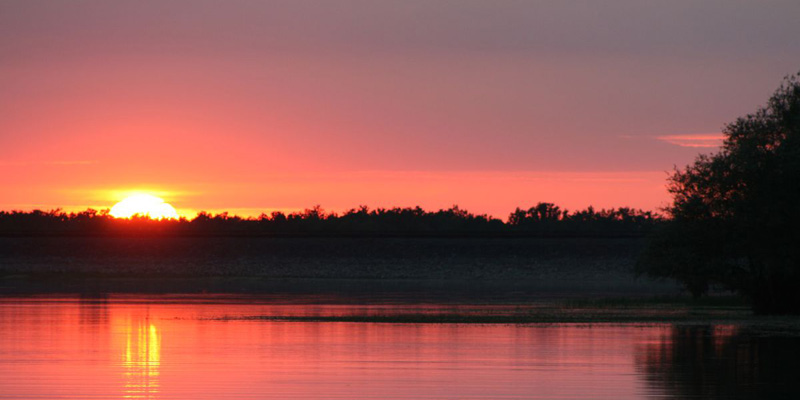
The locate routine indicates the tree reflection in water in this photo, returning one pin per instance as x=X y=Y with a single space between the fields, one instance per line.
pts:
x=715 y=362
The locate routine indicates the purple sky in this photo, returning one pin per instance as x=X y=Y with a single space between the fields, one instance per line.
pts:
x=189 y=97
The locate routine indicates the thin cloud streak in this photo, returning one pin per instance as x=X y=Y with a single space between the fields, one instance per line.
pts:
x=60 y=163
x=704 y=140
x=78 y=162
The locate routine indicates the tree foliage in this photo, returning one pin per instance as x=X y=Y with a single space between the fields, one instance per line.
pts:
x=544 y=219
x=735 y=215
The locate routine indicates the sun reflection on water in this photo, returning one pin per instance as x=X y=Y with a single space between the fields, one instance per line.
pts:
x=141 y=360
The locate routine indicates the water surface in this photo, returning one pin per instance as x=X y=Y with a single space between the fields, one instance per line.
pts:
x=149 y=348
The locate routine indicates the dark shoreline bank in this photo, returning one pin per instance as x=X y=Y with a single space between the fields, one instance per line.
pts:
x=483 y=269
x=347 y=290
x=321 y=308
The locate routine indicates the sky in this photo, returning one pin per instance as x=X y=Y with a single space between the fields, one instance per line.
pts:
x=255 y=106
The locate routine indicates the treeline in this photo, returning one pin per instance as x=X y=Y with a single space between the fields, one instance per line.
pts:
x=544 y=219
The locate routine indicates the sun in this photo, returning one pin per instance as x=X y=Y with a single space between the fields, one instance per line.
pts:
x=144 y=205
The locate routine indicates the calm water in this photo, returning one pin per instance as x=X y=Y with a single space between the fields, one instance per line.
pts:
x=129 y=348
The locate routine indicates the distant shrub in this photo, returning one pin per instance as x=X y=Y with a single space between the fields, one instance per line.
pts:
x=542 y=219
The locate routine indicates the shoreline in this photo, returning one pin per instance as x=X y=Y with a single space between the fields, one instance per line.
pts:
x=327 y=308
x=347 y=290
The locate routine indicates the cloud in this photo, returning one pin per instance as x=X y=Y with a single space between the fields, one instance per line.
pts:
x=702 y=140
x=77 y=162
x=59 y=163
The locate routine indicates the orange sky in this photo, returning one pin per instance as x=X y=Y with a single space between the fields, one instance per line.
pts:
x=256 y=106
x=495 y=193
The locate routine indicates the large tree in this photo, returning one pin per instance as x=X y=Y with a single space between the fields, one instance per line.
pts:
x=736 y=213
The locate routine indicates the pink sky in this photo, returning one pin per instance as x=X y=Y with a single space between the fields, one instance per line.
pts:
x=249 y=106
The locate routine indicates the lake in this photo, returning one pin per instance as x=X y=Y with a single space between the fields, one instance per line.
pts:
x=162 y=347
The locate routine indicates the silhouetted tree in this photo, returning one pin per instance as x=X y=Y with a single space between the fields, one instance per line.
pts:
x=735 y=214
x=549 y=219
x=545 y=219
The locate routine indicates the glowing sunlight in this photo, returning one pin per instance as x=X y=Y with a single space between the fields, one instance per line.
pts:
x=143 y=205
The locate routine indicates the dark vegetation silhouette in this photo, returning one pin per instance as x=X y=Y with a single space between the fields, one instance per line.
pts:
x=544 y=219
x=735 y=215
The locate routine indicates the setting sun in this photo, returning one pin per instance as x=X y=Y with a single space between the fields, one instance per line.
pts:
x=144 y=205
